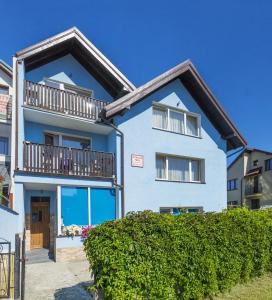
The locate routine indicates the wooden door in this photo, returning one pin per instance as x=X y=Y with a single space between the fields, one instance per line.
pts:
x=40 y=219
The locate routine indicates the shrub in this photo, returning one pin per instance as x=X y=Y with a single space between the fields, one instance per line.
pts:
x=156 y=256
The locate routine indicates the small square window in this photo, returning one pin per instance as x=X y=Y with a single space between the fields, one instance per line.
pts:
x=255 y=163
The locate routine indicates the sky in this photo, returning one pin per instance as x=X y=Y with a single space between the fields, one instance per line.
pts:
x=229 y=42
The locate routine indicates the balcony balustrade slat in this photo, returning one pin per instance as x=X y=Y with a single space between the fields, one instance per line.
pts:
x=45 y=97
x=65 y=161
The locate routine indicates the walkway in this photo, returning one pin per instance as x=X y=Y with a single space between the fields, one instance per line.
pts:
x=57 y=281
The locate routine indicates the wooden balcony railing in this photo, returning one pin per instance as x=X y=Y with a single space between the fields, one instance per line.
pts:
x=5 y=107
x=45 y=97
x=66 y=161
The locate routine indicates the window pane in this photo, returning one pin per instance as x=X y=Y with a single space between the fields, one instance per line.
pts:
x=195 y=170
x=160 y=118
x=4 y=145
x=161 y=167
x=102 y=205
x=74 y=206
x=176 y=122
x=4 y=90
x=178 y=169
x=192 y=127
x=77 y=143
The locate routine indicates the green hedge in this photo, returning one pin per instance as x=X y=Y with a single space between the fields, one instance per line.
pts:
x=152 y=256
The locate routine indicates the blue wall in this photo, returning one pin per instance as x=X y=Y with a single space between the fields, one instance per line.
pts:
x=67 y=69
x=34 y=132
x=142 y=190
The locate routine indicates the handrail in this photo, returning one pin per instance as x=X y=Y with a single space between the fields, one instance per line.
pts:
x=53 y=99
x=59 y=160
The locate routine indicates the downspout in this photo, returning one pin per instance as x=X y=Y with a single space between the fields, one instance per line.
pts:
x=103 y=120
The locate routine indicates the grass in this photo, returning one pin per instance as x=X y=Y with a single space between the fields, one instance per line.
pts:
x=258 y=289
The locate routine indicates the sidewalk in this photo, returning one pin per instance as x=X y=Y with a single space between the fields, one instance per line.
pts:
x=60 y=281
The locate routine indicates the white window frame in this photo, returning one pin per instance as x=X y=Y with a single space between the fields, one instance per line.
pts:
x=201 y=168
x=185 y=114
x=61 y=135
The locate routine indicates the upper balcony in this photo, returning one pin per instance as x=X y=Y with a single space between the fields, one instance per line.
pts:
x=51 y=99
x=5 y=107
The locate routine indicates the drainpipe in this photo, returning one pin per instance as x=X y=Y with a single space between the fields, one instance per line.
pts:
x=103 y=120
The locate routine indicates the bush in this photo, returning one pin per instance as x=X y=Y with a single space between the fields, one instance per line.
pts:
x=153 y=256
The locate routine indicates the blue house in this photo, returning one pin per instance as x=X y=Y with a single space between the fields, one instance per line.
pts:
x=89 y=146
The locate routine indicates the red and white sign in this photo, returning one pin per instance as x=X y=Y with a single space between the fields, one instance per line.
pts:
x=137 y=160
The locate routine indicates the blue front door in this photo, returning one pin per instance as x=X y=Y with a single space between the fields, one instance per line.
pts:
x=103 y=205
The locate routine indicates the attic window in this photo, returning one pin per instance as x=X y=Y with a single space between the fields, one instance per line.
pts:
x=176 y=120
x=75 y=89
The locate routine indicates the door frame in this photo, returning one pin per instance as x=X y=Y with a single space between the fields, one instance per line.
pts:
x=40 y=203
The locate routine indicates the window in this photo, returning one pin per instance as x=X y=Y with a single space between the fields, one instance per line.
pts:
x=179 y=169
x=73 y=142
x=75 y=89
x=268 y=164
x=80 y=206
x=233 y=203
x=4 y=90
x=74 y=206
x=3 y=145
x=160 y=118
x=176 y=121
x=232 y=184
x=176 y=211
x=255 y=163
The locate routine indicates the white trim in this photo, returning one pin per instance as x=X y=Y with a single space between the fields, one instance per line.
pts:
x=201 y=166
x=89 y=206
x=181 y=111
x=59 y=209
x=74 y=33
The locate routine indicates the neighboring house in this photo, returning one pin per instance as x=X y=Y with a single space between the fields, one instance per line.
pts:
x=250 y=179
x=5 y=128
x=80 y=160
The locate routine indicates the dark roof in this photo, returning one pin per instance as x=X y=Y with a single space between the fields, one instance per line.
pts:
x=6 y=68
x=74 y=42
x=191 y=79
x=249 y=150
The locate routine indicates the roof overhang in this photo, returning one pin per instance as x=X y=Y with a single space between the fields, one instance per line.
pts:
x=191 y=79
x=6 y=68
x=74 y=42
x=254 y=172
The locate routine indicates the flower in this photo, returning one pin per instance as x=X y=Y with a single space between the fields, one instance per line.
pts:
x=85 y=231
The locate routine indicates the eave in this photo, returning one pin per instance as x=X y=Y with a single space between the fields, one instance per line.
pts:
x=196 y=86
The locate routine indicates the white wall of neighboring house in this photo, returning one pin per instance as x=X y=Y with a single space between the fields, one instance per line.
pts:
x=240 y=168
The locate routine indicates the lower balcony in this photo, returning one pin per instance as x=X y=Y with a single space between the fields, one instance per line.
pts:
x=56 y=160
x=253 y=188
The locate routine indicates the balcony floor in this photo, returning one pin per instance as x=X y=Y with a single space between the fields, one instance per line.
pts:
x=66 y=121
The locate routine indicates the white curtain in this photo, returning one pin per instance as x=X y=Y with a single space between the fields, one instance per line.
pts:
x=178 y=169
x=195 y=170
x=161 y=167
x=160 y=118
x=192 y=127
x=176 y=122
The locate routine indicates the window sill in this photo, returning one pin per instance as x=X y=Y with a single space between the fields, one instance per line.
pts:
x=165 y=130
x=176 y=181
